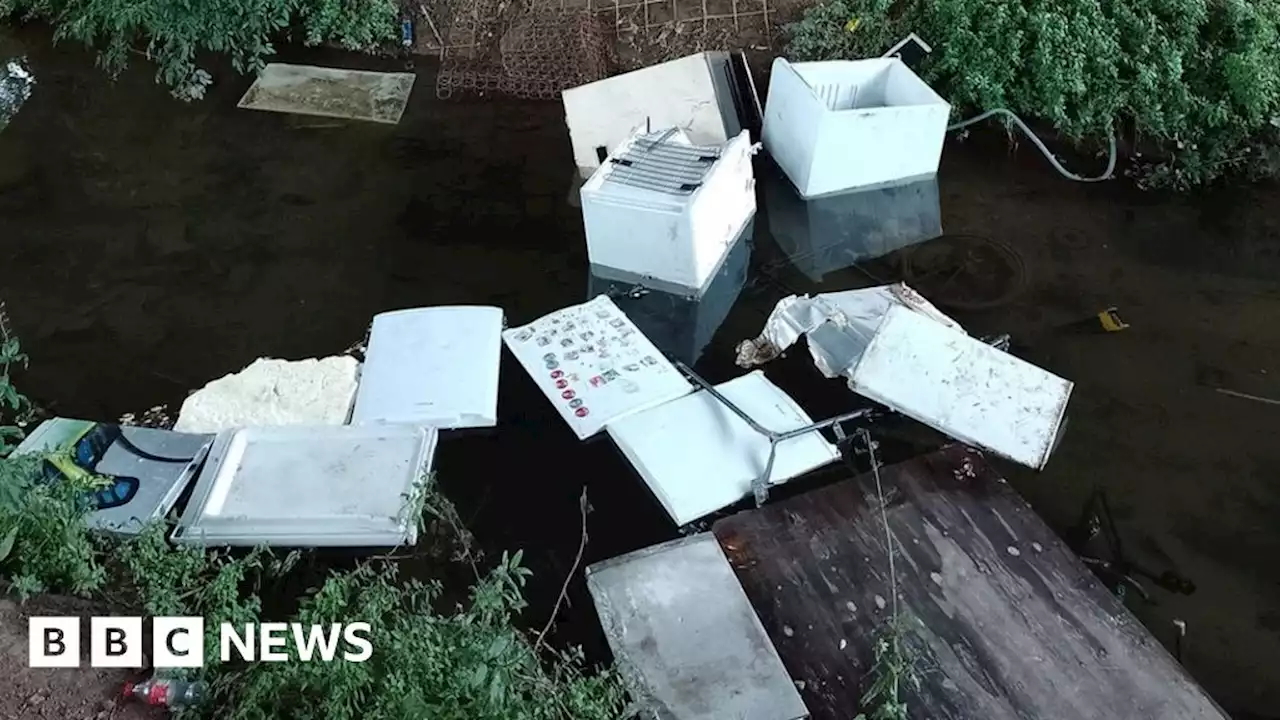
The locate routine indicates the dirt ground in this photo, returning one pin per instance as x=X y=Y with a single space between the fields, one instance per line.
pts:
x=58 y=694
x=148 y=246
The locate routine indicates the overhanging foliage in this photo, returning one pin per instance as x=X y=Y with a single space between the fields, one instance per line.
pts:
x=173 y=33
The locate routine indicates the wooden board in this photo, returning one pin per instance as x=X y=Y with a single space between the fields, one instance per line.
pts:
x=1005 y=621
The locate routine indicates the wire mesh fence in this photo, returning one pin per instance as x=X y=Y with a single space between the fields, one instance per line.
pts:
x=536 y=49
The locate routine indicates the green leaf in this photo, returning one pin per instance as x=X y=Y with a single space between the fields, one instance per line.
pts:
x=6 y=545
x=498 y=646
x=9 y=395
x=496 y=688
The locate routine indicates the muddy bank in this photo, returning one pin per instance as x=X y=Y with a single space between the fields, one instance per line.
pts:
x=59 y=694
x=148 y=246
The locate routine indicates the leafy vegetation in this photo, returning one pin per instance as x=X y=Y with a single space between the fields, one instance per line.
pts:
x=891 y=669
x=468 y=665
x=892 y=665
x=1198 y=81
x=15 y=409
x=472 y=662
x=174 y=34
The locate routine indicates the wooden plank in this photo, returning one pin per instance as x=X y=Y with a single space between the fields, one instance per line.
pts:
x=1005 y=620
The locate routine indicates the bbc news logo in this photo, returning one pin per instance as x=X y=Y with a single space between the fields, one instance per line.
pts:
x=178 y=642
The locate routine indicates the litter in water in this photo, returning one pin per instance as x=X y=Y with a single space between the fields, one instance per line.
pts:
x=330 y=92
x=274 y=392
x=435 y=366
x=692 y=93
x=689 y=204
x=676 y=607
x=594 y=365
x=351 y=486
x=895 y=348
x=132 y=475
x=697 y=456
x=818 y=115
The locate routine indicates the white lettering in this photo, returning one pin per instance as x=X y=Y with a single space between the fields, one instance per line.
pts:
x=328 y=643
x=177 y=642
x=228 y=637
x=271 y=636
x=366 y=647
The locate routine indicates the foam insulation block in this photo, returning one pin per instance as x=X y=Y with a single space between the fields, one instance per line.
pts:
x=274 y=392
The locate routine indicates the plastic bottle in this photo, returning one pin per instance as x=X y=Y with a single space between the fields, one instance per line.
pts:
x=406 y=32
x=166 y=692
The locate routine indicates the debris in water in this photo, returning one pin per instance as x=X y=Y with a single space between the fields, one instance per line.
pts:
x=575 y=356
x=434 y=366
x=330 y=92
x=143 y=470
x=157 y=417
x=896 y=136
x=696 y=663
x=894 y=347
x=15 y=87
x=274 y=392
x=1246 y=396
x=664 y=183
x=1104 y=321
x=698 y=456
x=687 y=92
x=346 y=486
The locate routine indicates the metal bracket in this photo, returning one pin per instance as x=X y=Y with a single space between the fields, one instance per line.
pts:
x=760 y=485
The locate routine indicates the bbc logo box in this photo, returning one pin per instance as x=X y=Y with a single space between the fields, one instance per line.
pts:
x=114 y=642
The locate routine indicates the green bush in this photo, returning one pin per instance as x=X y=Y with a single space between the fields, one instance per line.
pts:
x=173 y=34
x=1197 y=80
x=470 y=664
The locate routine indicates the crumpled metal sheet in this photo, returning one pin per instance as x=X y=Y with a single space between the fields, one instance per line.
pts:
x=839 y=325
x=895 y=348
x=16 y=82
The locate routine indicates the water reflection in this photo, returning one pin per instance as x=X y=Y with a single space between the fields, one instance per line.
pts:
x=834 y=232
x=677 y=322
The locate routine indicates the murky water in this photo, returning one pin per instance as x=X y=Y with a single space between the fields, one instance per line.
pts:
x=148 y=246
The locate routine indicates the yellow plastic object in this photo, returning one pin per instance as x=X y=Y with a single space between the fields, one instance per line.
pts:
x=63 y=459
x=1110 y=320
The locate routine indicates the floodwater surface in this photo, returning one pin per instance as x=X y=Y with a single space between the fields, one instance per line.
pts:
x=148 y=246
